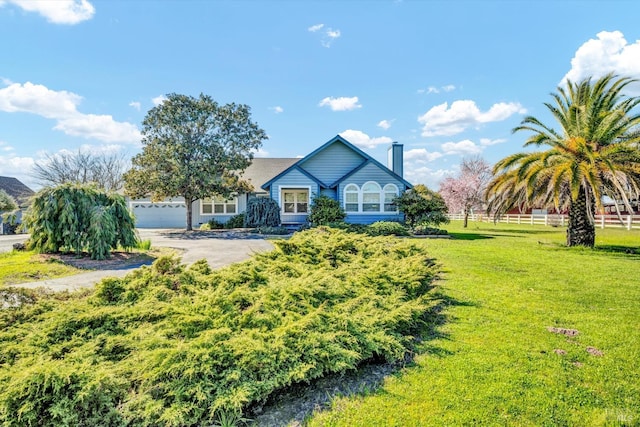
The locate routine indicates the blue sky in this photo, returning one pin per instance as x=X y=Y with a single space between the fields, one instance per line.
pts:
x=444 y=78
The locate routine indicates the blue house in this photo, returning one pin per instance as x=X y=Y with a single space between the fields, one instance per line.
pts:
x=338 y=169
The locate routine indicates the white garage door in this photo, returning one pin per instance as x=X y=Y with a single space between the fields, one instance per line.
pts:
x=160 y=215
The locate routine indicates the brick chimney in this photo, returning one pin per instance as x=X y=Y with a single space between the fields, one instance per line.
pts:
x=395 y=158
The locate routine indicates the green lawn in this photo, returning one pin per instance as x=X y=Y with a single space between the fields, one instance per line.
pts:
x=494 y=362
x=27 y=266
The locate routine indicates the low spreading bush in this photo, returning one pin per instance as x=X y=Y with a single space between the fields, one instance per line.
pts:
x=212 y=224
x=236 y=221
x=422 y=230
x=387 y=228
x=170 y=345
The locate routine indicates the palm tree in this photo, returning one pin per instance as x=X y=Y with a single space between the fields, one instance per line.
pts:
x=596 y=153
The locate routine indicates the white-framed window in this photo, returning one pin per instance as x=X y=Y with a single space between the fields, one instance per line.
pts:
x=218 y=206
x=390 y=192
x=351 y=198
x=371 y=198
x=295 y=200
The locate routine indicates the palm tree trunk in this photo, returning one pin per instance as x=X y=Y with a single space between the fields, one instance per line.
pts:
x=581 y=230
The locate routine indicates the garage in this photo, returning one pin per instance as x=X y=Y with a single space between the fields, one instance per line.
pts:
x=159 y=214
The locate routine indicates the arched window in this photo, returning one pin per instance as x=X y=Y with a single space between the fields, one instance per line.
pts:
x=351 y=198
x=390 y=193
x=371 y=197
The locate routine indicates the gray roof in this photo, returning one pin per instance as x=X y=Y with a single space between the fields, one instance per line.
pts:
x=17 y=190
x=262 y=169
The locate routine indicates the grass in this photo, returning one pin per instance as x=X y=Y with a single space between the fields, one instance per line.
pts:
x=494 y=362
x=27 y=266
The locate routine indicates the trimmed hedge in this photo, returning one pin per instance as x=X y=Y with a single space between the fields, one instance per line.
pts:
x=174 y=346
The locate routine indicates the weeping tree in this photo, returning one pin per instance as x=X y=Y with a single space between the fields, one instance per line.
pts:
x=594 y=153
x=262 y=212
x=194 y=148
x=73 y=218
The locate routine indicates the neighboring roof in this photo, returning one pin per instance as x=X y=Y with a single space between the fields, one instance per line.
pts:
x=262 y=169
x=337 y=139
x=16 y=189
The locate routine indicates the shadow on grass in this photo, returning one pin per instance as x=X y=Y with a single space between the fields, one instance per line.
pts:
x=524 y=231
x=469 y=236
x=297 y=402
x=620 y=250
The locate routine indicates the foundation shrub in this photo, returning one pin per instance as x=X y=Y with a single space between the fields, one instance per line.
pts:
x=169 y=345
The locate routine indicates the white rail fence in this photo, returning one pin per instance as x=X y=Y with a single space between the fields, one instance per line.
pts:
x=629 y=222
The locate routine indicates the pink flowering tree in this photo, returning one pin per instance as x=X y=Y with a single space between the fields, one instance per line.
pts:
x=465 y=192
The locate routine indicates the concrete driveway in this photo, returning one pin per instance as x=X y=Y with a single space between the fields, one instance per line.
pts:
x=218 y=248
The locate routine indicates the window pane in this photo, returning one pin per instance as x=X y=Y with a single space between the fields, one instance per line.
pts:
x=303 y=196
x=206 y=208
x=219 y=209
x=388 y=207
x=289 y=207
x=351 y=187
x=370 y=187
x=351 y=198
x=371 y=207
x=231 y=209
x=388 y=197
x=351 y=207
x=289 y=197
x=371 y=198
x=302 y=207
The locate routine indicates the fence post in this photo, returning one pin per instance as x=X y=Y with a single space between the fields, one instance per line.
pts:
x=628 y=222
x=562 y=220
x=546 y=220
x=531 y=219
x=601 y=221
x=518 y=219
x=507 y=218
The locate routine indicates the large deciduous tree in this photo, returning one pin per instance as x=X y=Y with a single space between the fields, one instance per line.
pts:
x=194 y=148
x=594 y=153
x=82 y=167
x=465 y=192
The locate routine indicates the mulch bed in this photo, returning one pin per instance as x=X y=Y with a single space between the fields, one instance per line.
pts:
x=117 y=260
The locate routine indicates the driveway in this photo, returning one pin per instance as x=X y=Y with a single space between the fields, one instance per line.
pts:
x=218 y=248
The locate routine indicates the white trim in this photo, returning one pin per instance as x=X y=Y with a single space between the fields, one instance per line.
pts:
x=294 y=187
x=360 y=193
x=213 y=212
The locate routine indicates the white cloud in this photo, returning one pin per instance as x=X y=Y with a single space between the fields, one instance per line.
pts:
x=430 y=177
x=18 y=167
x=135 y=104
x=434 y=89
x=327 y=37
x=277 y=109
x=101 y=127
x=385 y=124
x=261 y=153
x=485 y=142
x=342 y=103
x=5 y=146
x=610 y=52
x=443 y=120
x=362 y=140
x=158 y=100
x=315 y=28
x=421 y=155
x=60 y=11
x=62 y=107
x=463 y=147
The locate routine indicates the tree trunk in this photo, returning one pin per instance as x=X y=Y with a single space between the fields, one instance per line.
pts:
x=581 y=231
x=466 y=218
x=189 y=203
